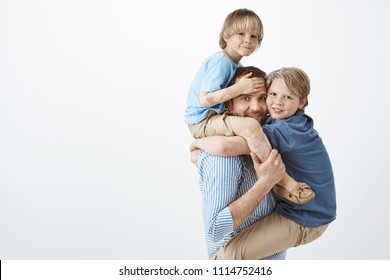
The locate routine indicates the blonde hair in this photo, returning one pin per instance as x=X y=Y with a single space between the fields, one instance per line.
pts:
x=295 y=79
x=241 y=20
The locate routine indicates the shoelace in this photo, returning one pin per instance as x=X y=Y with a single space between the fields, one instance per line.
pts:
x=301 y=189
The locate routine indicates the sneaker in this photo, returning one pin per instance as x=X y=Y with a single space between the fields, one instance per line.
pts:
x=302 y=193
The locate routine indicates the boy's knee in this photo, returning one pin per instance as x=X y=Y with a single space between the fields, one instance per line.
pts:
x=252 y=127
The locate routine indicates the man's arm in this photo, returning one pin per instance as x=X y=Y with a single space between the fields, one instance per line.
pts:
x=219 y=179
x=269 y=173
x=219 y=182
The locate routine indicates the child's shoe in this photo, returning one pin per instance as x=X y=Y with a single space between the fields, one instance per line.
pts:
x=302 y=193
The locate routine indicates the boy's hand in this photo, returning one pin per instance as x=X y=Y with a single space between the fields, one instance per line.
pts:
x=248 y=85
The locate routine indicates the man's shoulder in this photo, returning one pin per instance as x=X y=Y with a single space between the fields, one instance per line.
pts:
x=211 y=167
x=224 y=164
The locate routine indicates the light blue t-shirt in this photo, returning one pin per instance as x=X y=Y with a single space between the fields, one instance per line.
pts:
x=215 y=73
x=223 y=180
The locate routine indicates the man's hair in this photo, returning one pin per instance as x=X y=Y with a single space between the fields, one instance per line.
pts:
x=241 y=20
x=295 y=79
x=242 y=71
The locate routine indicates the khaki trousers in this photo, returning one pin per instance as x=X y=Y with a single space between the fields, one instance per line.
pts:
x=213 y=125
x=272 y=234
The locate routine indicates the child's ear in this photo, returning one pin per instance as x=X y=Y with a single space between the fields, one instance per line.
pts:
x=303 y=103
x=226 y=39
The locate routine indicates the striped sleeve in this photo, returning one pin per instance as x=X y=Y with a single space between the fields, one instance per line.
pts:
x=219 y=180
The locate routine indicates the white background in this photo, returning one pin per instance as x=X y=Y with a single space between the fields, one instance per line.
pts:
x=94 y=160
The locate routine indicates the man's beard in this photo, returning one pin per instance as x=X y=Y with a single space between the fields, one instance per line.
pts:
x=256 y=115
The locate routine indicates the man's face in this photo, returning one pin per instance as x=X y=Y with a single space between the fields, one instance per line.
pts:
x=250 y=105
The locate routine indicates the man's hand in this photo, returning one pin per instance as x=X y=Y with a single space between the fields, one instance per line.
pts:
x=269 y=173
x=194 y=157
x=271 y=170
x=193 y=145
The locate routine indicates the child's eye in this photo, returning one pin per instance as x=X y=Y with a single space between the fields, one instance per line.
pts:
x=241 y=33
x=255 y=36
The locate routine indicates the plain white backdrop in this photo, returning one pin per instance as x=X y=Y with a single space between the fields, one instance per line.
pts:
x=94 y=160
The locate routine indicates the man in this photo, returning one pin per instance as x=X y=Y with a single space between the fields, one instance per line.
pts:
x=235 y=190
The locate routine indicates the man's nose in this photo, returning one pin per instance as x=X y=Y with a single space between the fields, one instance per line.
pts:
x=255 y=106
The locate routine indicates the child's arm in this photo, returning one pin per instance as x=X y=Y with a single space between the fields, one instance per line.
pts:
x=245 y=85
x=222 y=145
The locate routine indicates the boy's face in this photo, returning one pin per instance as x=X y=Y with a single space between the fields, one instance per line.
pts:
x=281 y=102
x=251 y=105
x=241 y=44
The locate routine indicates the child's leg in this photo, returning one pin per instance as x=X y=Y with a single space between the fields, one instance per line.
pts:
x=251 y=130
x=258 y=143
x=213 y=125
x=272 y=234
x=296 y=192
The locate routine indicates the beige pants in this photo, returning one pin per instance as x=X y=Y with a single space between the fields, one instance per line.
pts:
x=272 y=234
x=213 y=125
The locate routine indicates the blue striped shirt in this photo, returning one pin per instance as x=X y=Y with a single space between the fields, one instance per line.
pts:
x=223 y=180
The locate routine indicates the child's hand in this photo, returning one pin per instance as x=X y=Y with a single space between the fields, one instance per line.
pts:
x=248 y=85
